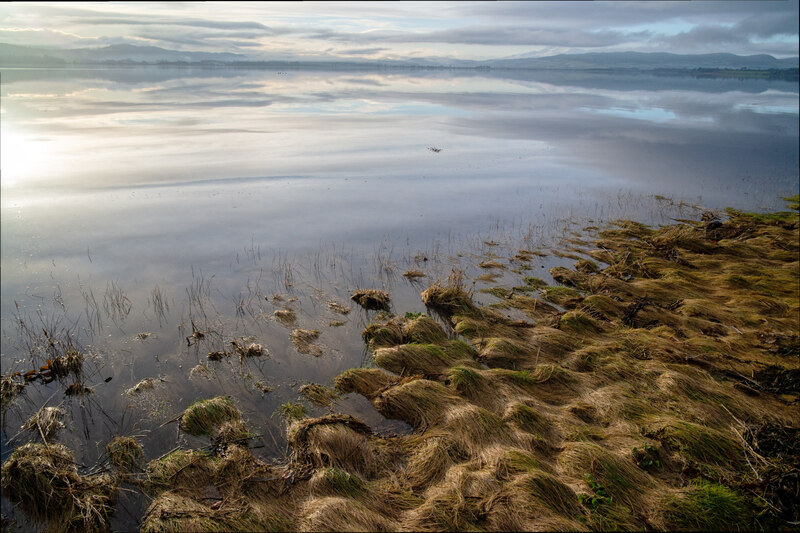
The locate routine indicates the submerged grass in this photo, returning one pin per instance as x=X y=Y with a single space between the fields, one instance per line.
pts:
x=372 y=299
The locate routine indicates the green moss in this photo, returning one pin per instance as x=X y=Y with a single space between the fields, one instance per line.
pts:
x=464 y=379
x=343 y=483
x=706 y=507
x=794 y=201
x=701 y=443
x=563 y=296
x=498 y=292
x=178 y=469
x=291 y=411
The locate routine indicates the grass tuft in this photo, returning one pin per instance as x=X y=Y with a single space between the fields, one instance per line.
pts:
x=372 y=299
x=205 y=417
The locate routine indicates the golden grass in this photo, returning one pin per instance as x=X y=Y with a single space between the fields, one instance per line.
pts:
x=372 y=299
x=303 y=341
x=45 y=423
x=125 y=453
x=43 y=481
x=631 y=406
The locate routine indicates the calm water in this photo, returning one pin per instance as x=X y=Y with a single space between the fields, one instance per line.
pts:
x=214 y=190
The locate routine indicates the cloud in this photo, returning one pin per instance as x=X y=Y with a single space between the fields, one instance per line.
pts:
x=197 y=23
x=471 y=30
x=489 y=35
x=45 y=37
x=361 y=51
x=749 y=33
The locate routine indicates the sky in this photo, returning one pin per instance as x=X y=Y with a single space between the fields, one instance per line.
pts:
x=411 y=30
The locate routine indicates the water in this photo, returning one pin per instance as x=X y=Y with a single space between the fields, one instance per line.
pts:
x=213 y=190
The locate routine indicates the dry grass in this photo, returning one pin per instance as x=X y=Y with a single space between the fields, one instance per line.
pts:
x=125 y=453
x=634 y=405
x=303 y=341
x=342 y=514
x=45 y=423
x=450 y=296
x=318 y=395
x=413 y=274
x=336 y=307
x=372 y=299
x=9 y=389
x=206 y=417
x=43 y=481
x=286 y=317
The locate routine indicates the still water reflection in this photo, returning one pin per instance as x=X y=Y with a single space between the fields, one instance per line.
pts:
x=142 y=201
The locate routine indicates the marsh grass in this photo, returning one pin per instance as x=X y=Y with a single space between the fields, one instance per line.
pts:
x=622 y=409
x=303 y=341
x=125 y=453
x=44 y=482
x=205 y=417
x=45 y=423
x=10 y=388
x=318 y=395
x=372 y=299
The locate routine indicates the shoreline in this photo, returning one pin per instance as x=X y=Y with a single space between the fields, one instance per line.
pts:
x=630 y=396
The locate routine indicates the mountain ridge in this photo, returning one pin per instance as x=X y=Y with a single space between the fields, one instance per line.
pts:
x=31 y=56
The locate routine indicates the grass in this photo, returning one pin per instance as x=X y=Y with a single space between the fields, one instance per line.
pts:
x=318 y=395
x=339 y=308
x=364 y=381
x=334 y=481
x=303 y=341
x=372 y=299
x=425 y=359
x=205 y=417
x=45 y=423
x=71 y=362
x=705 y=506
x=632 y=406
x=286 y=317
x=449 y=296
x=125 y=453
x=9 y=390
x=563 y=296
x=700 y=443
x=43 y=481
x=291 y=411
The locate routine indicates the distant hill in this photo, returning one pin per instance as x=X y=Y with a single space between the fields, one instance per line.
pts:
x=644 y=61
x=30 y=56
x=13 y=55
